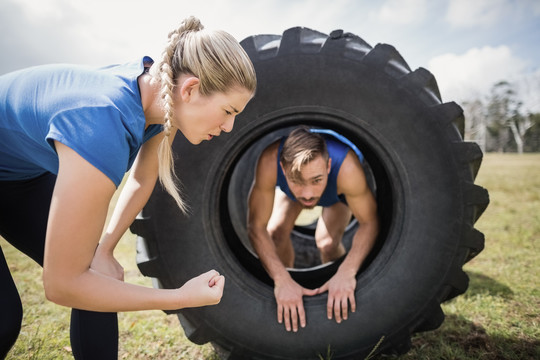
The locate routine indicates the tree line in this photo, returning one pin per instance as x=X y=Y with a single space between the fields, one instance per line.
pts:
x=500 y=124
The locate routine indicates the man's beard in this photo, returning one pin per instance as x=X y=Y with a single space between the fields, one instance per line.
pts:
x=312 y=202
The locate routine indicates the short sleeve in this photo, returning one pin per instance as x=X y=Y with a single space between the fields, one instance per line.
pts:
x=98 y=135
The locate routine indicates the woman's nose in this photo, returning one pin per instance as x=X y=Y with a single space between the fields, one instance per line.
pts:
x=227 y=126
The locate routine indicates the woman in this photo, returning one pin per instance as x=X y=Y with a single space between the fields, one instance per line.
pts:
x=67 y=136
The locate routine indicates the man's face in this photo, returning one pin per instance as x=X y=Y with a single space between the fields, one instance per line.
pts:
x=309 y=188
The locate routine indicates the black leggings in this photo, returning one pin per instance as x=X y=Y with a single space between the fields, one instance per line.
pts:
x=24 y=210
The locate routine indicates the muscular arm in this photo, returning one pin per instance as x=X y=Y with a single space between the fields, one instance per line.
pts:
x=352 y=183
x=78 y=211
x=260 y=204
x=288 y=293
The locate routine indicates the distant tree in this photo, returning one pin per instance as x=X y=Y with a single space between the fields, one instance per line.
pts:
x=475 y=122
x=532 y=137
x=503 y=113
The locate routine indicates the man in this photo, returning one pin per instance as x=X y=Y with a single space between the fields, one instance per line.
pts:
x=311 y=169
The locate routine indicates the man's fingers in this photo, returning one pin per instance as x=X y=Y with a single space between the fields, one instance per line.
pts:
x=287 y=318
x=290 y=307
x=302 y=316
x=337 y=310
x=309 y=292
x=291 y=317
x=344 y=308
x=294 y=318
x=330 y=308
x=353 y=302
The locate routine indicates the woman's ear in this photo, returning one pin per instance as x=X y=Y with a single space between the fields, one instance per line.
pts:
x=189 y=87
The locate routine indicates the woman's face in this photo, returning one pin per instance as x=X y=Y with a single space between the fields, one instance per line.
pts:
x=201 y=117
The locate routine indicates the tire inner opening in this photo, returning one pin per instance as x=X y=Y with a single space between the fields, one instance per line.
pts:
x=308 y=270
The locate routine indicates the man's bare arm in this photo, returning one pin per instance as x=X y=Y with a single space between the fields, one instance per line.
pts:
x=260 y=204
x=288 y=293
x=352 y=183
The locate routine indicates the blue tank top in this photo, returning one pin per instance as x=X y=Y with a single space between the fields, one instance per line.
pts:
x=338 y=146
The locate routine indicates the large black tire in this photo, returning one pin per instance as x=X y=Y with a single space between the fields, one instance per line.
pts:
x=427 y=200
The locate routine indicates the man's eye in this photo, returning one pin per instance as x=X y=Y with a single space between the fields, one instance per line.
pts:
x=228 y=112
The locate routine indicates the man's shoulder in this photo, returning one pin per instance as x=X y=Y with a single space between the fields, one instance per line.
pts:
x=266 y=171
x=351 y=163
x=268 y=160
x=351 y=172
x=270 y=152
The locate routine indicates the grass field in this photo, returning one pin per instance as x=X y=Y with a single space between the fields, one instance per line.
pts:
x=497 y=318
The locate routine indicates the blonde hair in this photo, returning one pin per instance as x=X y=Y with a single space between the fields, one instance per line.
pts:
x=216 y=59
x=301 y=147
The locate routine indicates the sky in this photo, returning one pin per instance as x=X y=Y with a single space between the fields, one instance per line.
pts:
x=469 y=45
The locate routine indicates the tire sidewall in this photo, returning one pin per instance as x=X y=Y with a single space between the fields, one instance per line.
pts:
x=394 y=129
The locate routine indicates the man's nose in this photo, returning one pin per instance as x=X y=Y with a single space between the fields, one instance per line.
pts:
x=307 y=192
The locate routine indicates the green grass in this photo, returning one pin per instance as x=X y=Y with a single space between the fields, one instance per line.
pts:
x=497 y=318
x=45 y=329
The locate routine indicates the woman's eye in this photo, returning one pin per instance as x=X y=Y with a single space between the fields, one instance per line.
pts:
x=228 y=112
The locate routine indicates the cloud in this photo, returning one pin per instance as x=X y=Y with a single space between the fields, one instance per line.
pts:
x=472 y=74
x=402 y=12
x=466 y=13
x=490 y=13
x=92 y=32
x=38 y=36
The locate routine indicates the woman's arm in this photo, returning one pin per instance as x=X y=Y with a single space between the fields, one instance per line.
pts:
x=77 y=216
x=135 y=194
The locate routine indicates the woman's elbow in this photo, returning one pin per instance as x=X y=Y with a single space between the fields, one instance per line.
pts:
x=55 y=288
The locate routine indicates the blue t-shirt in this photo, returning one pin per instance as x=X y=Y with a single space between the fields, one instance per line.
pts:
x=96 y=112
x=338 y=147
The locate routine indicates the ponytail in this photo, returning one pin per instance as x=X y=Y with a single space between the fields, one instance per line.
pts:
x=217 y=60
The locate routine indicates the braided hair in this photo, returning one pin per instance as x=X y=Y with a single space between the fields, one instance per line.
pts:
x=216 y=59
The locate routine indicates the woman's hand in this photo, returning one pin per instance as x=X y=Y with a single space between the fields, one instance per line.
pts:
x=105 y=263
x=205 y=289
